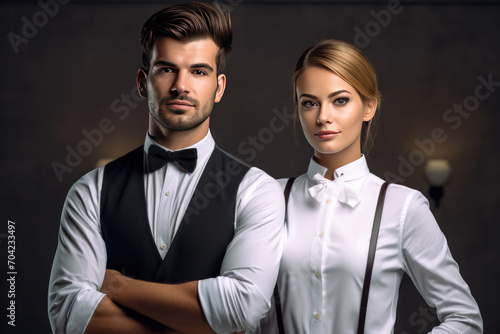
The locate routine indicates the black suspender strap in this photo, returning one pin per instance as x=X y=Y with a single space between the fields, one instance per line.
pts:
x=288 y=189
x=371 y=258
x=369 y=266
x=277 y=301
x=279 y=315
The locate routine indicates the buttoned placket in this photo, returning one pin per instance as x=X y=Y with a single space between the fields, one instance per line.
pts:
x=318 y=258
x=163 y=230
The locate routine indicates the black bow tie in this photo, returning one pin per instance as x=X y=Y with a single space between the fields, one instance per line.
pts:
x=158 y=157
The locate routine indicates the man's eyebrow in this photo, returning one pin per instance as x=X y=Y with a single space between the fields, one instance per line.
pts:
x=198 y=65
x=203 y=65
x=164 y=63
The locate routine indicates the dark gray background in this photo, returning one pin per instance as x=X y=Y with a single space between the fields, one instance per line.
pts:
x=66 y=78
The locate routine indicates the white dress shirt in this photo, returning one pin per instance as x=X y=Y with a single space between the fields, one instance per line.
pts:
x=233 y=301
x=327 y=234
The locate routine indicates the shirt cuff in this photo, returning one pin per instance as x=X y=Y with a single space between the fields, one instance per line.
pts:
x=226 y=304
x=73 y=318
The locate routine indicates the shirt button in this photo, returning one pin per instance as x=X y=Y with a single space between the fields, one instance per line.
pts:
x=328 y=201
x=321 y=234
x=316 y=316
x=318 y=274
x=167 y=193
x=163 y=246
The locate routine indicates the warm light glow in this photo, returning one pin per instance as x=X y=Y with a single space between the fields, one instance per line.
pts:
x=437 y=172
x=102 y=162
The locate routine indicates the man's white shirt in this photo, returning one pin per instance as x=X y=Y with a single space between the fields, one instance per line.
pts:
x=233 y=301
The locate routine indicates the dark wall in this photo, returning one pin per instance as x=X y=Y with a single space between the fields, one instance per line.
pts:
x=74 y=75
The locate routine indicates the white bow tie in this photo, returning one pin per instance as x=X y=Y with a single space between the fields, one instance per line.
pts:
x=325 y=188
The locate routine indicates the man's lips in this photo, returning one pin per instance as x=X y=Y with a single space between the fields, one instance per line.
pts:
x=178 y=104
x=326 y=134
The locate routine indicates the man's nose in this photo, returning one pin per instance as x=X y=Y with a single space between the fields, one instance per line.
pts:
x=181 y=83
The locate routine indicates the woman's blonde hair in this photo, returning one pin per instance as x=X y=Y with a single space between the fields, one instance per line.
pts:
x=350 y=64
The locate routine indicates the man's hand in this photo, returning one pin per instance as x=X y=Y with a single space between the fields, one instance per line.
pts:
x=112 y=282
x=110 y=317
x=174 y=305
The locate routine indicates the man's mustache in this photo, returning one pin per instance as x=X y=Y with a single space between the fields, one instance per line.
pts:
x=186 y=98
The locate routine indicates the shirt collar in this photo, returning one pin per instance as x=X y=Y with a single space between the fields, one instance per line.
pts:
x=352 y=171
x=342 y=187
x=204 y=147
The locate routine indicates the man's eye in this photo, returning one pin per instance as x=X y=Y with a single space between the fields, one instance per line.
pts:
x=165 y=70
x=341 y=101
x=199 y=72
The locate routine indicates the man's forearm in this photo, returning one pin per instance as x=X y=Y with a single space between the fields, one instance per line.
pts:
x=174 y=305
x=110 y=318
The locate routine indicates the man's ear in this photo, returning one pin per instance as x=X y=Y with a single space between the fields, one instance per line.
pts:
x=141 y=82
x=221 y=87
x=370 y=109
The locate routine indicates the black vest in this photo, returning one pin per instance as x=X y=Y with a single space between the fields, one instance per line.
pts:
x=201 y=240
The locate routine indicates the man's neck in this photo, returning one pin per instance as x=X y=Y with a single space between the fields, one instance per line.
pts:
x=176 y=140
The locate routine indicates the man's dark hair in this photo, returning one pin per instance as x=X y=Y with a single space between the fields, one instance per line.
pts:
x=188 y=22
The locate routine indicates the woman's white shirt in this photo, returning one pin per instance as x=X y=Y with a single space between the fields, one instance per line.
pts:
x=326 y=241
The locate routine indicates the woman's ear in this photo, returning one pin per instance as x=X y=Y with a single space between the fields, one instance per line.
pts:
x=370 y=109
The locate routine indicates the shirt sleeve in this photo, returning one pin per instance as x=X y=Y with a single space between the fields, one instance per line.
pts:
x=80 y=259
x=430 y=265
x=240 y=297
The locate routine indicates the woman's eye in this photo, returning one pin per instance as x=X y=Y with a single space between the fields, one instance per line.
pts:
x=308 y=104
x=341 y=101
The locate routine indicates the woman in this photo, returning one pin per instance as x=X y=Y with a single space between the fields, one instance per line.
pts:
x=331 y=209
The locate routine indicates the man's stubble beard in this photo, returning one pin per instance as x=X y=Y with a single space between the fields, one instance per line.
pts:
x=177 y=123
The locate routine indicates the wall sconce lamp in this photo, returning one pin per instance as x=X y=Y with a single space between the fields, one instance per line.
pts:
x=437 y=173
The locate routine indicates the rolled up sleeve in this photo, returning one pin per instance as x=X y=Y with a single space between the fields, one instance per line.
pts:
x=80 y=259
x=240 y=297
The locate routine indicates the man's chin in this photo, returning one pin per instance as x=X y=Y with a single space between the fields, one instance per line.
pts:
x=180 y=121
x=178 y=111
x=182 y=126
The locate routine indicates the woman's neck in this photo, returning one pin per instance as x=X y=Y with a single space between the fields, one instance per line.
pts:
x=334 y=161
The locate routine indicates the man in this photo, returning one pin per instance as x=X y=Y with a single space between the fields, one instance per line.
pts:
x=192 y=246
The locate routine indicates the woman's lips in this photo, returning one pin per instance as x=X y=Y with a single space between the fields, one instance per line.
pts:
x=326 y=134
